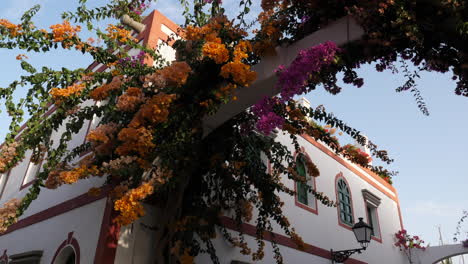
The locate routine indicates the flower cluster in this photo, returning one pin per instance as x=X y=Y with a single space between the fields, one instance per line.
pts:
x=72 y=176
x=132 y=61
x=61 y=94
x=120 y=34
x=269 y=122
x=405 y=241
x=119 y=163
x=267 y=119
x=102 y=92
x=139 y=6
x=8 y=213
x=239 y=72
x=21 y=57
x=130 y=100
x=64 y=31
x=311 y=61
x=7 y=155
x=103 y=138
x=174 y=75
x=153 y=111
x=129 y=206
x=356 y=155
x=210 y=31
x=216 y=51
x=135 y=141
x=103 y=133
x=13 y=30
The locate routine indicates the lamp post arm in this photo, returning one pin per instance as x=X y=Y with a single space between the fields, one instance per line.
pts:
x=342 y=255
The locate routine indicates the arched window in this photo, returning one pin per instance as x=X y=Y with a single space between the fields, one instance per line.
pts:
x=68 y=252
x=66 y=256
x=304 y=197
x=344 y=199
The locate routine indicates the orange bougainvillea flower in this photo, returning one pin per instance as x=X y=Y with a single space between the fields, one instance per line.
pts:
x=239 y=72
x=8 y=213
x=241 y=50
x=129 y=205
x=103 y=133
x=174 y=75
x=60 y=94
x=7 y=155
x=14 y=30
x=102 y=92
x=21 y=57
x=135 y=140
x=129 y=101
x=72 y=176
x=216 y=51
x=119 y=34
x=64 y=31
x=154 y=111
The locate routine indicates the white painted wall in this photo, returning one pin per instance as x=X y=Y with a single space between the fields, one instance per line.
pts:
x=322 y=230
x=84 y=222
x=226 y=253
x=137 y=240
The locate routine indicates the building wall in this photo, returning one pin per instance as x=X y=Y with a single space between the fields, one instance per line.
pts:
x=321 y=230
x=56 y=213
x=49 y=234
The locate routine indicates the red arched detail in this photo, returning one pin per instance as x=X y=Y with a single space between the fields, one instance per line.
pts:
x=69 y=242
x=340 y=176
x=296 y=202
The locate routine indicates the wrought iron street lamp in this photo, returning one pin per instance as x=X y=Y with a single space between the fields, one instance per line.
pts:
x=363 y=232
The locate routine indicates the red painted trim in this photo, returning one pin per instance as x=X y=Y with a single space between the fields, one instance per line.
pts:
x=346 y=164
x=7 y=175
x=296 y=202
x=56 y=210
x=341 y=176
x=378 y=239
x=69 y=242
x=108 y=237
x=361 y=175
x=281 y=239
x=399 y=215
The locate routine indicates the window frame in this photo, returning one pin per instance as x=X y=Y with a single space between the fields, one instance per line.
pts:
x=341 y=223
x=27 y=184
x=7 y=177
x=313 y=209
x=372 y=201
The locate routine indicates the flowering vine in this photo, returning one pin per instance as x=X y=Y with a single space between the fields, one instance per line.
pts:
x=149 y=142
x=408 y=243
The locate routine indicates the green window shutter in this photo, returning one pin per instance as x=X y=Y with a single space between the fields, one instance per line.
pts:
x=302 y=193
x=344 y=196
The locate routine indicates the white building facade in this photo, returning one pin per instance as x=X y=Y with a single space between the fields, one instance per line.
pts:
x=70 y=226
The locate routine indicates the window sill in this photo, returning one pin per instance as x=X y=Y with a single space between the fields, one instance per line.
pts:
x=377 y=239
x=27 y=184
x=307 y=208
x=346 y=226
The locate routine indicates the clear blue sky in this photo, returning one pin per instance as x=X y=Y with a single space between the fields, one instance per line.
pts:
x=430 y=152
